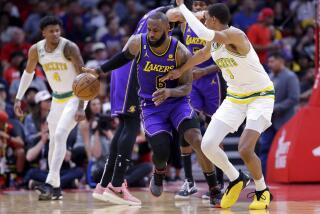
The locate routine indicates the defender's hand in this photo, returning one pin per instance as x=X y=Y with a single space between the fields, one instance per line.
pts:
x=172 y=75
x=160 y=96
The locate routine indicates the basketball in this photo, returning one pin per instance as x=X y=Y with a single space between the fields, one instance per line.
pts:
x=86 y=86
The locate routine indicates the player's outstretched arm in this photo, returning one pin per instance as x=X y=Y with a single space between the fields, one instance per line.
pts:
x=130 y=51
x=198 y=73
x=229 y=36
x=26 y=78
x=201 y=56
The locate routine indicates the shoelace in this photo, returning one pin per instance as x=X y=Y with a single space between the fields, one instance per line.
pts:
x=185 y=186
x=258 y=194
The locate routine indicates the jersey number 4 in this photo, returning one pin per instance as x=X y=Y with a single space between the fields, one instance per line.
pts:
x=160 y=84
x=56 y=77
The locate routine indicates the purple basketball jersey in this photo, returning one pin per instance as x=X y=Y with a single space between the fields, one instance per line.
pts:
x=151 y=67
x=121 y=77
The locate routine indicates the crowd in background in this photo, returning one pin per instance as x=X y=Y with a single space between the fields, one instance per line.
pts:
x=282 y=33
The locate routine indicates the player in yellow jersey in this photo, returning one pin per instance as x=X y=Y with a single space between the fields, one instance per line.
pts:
x=250 y=95
x=61 y=60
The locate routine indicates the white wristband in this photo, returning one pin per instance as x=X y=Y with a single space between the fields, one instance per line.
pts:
x=202 y=31
x=25 y=81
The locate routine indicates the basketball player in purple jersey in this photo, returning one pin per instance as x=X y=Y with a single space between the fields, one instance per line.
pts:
x=125 y=106
x=164 y=104
x=205 y=96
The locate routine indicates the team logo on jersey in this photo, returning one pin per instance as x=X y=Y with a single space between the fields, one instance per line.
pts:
x=132 y=109
x=41 y=52
x=170 y=57
x=157 y=68
x=213 y=82
x=189 y=30
x=195 y=41
x=146 y=54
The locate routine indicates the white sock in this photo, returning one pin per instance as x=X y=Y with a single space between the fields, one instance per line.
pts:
x=260 y=184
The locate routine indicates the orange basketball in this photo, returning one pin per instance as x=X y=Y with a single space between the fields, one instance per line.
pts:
x=86 y=86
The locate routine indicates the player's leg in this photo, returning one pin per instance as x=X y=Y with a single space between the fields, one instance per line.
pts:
x=109 y=165
x=124 y=148
x=46 y=191
x=188 y=187
x=258 y=119
x=160 y=145
x=65 y=124
x=212 y=94
x=189 y=129
x=227 y=119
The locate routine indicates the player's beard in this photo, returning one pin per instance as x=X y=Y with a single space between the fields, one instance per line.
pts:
x=159 y=42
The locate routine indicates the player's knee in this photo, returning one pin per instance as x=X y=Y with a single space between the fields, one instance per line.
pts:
x=207 y=145
x=60 y=136
x=246 y=153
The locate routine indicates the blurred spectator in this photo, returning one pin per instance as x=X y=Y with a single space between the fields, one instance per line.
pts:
x=17 y=43
x=246 y=16
x=305 y=44
x=305 y=10
x=84 y=134
x=6 y=104
x=33 y=121
x=31 y=26
x=287 y=92
x=12 y=144
x=100 y=56
x=113 y=38
x=260 y=35
x=12 y=72
x=37 y=82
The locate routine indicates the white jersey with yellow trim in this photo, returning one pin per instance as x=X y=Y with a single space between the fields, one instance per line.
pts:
x=59 y=71
x=244 y=74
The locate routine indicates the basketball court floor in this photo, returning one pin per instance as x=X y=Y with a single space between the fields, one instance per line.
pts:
x=292 y=199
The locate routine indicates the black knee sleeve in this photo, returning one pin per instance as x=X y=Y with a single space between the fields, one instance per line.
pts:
x=160 y=145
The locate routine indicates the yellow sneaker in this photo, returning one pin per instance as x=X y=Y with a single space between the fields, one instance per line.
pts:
x=234 y=189
x=261 y=200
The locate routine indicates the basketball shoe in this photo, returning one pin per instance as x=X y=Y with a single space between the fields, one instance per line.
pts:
x=187 y=189
x=261 y=199
x=98 y=193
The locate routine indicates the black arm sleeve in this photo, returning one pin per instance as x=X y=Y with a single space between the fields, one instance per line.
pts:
x=117 y=61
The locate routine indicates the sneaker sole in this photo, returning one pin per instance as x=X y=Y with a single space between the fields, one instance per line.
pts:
x=180 y=197
x=99 y=197
x=116 y=200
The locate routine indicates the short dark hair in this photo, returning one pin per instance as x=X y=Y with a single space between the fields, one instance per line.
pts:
x=221 y=12
x=49 y=20
x=159 y=15
x=277 y=55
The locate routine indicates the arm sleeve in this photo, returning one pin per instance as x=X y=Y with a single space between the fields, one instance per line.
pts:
x=195 y=24
x=25 y=81
x=117 y=61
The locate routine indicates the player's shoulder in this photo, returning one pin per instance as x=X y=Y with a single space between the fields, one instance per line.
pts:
x=235 y=31
x=33 y=50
